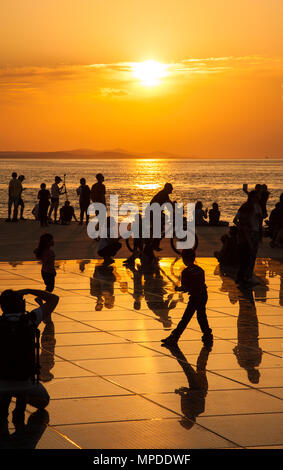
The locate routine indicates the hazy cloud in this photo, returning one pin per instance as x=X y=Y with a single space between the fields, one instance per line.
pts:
x=102 y=77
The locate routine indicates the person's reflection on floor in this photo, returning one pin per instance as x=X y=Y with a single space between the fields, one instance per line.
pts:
x=228 y=284
x=83 y=263
x=123 y=285
x=247 y=351
x=276 y=269
x=29 y=437
x=157 y=298
x=137 y=285
x=102 y=286
x=192 y=397
x=261 y=289
x=46 y=359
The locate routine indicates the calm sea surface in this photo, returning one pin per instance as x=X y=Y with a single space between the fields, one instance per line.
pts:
x=138 y=180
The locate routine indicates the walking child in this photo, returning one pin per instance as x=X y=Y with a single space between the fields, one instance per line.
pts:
x=47 y=256
x=192 y=282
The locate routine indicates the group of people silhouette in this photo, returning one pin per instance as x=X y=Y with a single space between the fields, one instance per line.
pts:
x=47 y=206
x=241 y=244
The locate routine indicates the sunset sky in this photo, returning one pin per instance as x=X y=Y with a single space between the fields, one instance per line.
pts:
x=71 y=76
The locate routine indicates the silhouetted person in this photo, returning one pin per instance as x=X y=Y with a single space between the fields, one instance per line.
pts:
x=56 y=192
x=192 y=397
x=35 y=211
x=264 y=196
x=46 y=255
x=21 y=201
x=214 y=216
x=277 y=240
x=161 y=198
x=274 y=220
x=83 y=192
x=67 y=213
x=228 y=255
x=44 y=202
x=200 y=214
x=14 y=194
x=192 y=282
x=257 y=189
x=98 y=190
x=247 y=351
x=249 y=220
x=16 y=375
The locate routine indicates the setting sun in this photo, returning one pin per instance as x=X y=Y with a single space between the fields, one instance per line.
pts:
x=149 y=72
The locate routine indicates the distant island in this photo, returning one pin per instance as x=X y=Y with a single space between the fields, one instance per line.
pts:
x=114 y=154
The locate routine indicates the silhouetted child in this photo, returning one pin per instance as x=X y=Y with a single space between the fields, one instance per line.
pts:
x=47 y=256
x=192 y=282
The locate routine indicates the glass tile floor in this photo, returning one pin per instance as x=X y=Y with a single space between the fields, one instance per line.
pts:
x=113 y=386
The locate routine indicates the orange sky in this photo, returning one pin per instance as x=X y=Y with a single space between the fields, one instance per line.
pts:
x=66 y=78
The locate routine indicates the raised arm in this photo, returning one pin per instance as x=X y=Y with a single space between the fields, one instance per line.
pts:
x=49 y=300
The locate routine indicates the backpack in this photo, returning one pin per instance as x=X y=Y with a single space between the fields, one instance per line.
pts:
x=19 y=348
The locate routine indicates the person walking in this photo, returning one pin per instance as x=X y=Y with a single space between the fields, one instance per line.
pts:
x=192 y=282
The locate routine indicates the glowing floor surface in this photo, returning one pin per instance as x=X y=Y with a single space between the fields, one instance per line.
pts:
x=112 y=384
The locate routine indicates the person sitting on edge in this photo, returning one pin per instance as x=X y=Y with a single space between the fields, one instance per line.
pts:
x=214 y=217
x=67 y=212
x=200 y=214
x=192 y=282
x=16 y=367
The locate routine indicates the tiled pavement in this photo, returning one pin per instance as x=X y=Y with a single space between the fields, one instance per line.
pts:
x=111 y=383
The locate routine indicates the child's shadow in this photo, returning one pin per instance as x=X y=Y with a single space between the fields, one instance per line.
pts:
x=192 y=397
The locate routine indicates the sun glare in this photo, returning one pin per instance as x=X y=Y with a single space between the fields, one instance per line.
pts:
x=149 y=72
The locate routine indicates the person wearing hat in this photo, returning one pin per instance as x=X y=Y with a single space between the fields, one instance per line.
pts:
x=56 y=192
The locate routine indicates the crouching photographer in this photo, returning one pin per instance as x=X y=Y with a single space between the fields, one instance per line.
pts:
x=19 y=354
